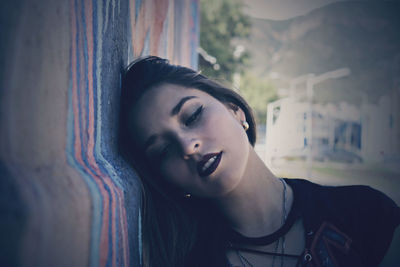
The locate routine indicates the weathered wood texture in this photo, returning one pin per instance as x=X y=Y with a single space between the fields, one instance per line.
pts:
x=66 y=197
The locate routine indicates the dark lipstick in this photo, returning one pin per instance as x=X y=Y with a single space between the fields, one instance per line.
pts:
x=208 y=164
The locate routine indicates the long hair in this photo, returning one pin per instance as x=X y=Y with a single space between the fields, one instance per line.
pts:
x=175 y=230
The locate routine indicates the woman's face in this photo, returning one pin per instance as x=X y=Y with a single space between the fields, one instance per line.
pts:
x=196 y=142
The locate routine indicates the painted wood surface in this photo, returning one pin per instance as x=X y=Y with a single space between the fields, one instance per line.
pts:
x=66 y=197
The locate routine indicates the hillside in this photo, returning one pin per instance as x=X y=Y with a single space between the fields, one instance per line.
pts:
x=363 y=36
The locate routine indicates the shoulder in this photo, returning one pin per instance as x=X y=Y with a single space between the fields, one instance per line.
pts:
x=362 y=206
x=372 y=220
x=356 y=201
x=367 y=216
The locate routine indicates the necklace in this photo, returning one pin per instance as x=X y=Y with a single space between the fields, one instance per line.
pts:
x=244 y=260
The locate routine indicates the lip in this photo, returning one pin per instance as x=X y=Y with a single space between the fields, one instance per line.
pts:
x=213 y=165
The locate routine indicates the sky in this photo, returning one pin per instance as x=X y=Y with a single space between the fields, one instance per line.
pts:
x=282 y=9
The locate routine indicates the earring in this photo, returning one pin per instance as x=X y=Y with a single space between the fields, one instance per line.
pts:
x=188 y=195
x=245 y=125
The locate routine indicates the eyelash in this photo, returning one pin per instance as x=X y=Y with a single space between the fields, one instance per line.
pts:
x=194 y=116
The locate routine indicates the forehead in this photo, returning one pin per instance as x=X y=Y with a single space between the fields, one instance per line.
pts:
x=153 y=110
x=163 y=99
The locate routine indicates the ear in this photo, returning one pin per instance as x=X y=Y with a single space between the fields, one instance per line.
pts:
x=237 y=112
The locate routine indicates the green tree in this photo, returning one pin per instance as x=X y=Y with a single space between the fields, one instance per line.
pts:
x=222 y=21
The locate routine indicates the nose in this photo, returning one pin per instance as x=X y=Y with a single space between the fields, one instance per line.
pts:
x=190 y=146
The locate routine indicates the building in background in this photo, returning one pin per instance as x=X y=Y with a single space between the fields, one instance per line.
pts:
x=340 y=132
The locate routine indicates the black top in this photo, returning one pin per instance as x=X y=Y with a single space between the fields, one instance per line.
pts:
x=345 y=226
x=350 y=225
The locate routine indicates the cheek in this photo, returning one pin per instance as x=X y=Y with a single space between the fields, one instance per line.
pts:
x=234 y=140
x=227 y=129
x=175 y=172
x=221 y=121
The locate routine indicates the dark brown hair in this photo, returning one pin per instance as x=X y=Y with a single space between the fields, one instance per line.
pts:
x=172 y=226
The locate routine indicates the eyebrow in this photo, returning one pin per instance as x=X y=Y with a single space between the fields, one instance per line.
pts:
x=178 y=106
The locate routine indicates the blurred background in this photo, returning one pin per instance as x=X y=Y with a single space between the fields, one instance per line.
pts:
x=323 y=78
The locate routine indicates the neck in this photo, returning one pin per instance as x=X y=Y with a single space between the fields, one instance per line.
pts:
x=255 y=207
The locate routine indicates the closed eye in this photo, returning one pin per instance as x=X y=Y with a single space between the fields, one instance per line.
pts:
x=194 y=116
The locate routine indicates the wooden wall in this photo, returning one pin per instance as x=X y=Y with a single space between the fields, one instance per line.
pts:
x=66 y=197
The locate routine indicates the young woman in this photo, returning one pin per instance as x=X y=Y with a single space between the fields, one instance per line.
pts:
x=209 y=200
